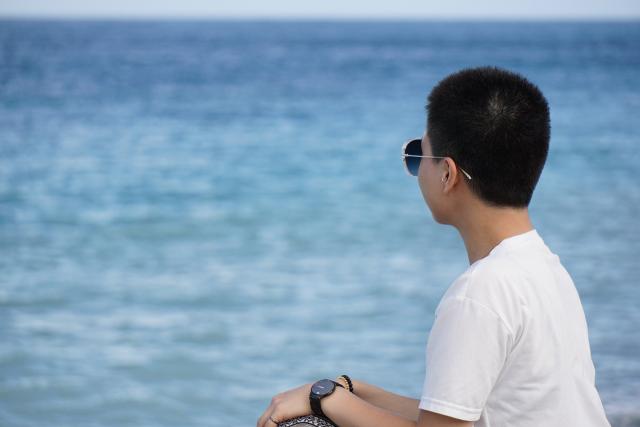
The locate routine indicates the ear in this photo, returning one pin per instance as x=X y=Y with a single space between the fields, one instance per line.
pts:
x=449 y=174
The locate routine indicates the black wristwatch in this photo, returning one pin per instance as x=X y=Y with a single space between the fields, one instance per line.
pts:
x=319 y=390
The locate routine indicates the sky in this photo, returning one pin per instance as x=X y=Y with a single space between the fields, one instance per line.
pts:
x=341 y=9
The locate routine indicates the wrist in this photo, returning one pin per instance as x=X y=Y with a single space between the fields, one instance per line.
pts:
x=343 y=382
x=359 y=388
x=320 y=391
x=346 y=382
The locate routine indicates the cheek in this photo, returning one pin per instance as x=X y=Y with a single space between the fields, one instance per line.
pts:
x=429 y=192
x=423 y=182
x=423 y=175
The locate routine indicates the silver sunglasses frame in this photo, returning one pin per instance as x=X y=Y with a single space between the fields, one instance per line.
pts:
x=429 y=157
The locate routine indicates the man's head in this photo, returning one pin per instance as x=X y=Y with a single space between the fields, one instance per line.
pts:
x=495 y=125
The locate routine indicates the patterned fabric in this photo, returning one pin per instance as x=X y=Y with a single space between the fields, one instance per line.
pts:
x=307 y=420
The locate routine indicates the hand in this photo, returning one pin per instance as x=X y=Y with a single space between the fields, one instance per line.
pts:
x=286 y=405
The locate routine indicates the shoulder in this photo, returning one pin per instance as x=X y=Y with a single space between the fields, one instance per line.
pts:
x=496 y=283
x=494 y=275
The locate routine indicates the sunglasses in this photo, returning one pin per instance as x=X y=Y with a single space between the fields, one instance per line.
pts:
x=411 y=155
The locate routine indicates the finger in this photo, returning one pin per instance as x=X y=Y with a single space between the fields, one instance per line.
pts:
x=272 y=420
x=264 y=421
x=264 y=418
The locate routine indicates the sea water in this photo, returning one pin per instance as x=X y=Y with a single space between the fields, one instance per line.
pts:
x=195 y=216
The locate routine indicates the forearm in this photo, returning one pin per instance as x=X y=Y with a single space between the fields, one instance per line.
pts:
x=401 y=405
x=349 y=410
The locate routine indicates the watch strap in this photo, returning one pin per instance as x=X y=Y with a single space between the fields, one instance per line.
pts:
x=316 y=407
x=314 y=402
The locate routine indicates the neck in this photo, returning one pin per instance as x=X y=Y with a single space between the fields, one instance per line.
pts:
x=488 y=226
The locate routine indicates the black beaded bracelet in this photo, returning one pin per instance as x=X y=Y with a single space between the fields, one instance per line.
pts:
x=346 y=377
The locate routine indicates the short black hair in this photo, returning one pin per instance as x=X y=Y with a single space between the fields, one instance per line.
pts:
x=495 y=125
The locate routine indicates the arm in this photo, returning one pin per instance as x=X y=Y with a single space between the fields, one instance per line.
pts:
x=348 y=410
x=400 y=405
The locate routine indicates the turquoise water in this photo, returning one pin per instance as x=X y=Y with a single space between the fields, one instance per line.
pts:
x=197 y=216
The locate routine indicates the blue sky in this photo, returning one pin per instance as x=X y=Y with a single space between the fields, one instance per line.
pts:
x=464 y=9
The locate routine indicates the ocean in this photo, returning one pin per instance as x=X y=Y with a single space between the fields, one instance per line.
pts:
x=198 y=215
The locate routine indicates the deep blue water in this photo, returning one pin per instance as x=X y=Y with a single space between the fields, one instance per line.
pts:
x=195 y=216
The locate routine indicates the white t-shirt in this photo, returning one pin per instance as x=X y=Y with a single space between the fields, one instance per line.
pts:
x=509 y=344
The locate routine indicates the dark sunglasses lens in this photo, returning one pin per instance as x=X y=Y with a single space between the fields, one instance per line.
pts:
x=413 y=163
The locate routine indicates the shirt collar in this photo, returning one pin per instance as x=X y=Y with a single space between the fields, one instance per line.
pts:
x=517 y=241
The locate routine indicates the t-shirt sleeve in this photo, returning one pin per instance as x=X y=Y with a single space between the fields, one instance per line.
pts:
x=466 y=350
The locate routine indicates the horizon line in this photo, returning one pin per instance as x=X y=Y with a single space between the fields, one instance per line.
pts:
x=371 y=18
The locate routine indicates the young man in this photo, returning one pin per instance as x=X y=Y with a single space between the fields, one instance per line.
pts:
x=509 y=345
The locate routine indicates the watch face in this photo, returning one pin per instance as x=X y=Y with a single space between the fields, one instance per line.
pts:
x=322 y=387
